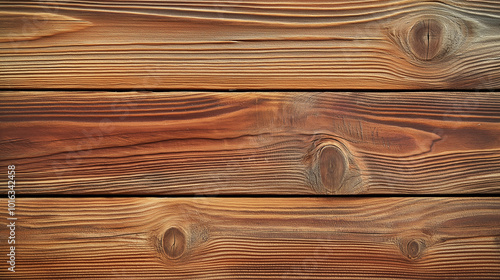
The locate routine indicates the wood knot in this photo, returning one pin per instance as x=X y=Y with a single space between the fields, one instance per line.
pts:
x=430 y=36
x=174 y=242
x=425 y=39
x=413 y=248
x=332 y=167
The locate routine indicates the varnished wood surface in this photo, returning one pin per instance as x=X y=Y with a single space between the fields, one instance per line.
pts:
x=238 y=44
x=282 y=143
x=256 y=238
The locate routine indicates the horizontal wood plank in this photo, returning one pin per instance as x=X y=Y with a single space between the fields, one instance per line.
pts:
x=249 y=238
x=239 y=44
x=282 y=143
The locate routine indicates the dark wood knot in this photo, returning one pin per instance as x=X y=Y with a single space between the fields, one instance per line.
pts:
x=430 y=37
x=332 y=167
x=174 y=242
x=425 y=39
x=413 y=248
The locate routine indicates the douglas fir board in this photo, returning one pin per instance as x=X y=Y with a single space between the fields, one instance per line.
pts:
x=254 y=238
x=239 y=44
x=281 y=143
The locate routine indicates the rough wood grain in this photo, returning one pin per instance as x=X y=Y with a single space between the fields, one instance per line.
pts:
x=250 y=238
x=283 y=143
x=389 y=44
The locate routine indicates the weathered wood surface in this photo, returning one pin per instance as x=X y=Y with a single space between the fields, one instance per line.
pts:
x=250 y=44
x=193 y=143
x=256 y=238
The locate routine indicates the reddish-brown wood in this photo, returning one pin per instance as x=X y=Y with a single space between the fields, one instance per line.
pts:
x=239 y=44
x=70 y=135
x=283 y=143
x=250 y=238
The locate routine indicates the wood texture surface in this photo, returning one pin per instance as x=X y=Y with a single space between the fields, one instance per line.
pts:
x=111 y=114
x=198 y=143
x=238 y=44
x=256 y=238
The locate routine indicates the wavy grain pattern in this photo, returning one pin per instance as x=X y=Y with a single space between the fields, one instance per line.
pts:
x=239 y=44
x=249 y=238
x=283 y=143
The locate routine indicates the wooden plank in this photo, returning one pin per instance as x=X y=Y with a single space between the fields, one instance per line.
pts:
x=282 y=143
x=249 y=238
x=259 y=44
